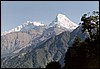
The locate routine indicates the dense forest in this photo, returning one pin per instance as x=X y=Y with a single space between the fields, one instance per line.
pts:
x=83 y=54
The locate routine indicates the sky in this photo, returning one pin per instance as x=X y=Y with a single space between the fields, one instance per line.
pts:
x=15 y=13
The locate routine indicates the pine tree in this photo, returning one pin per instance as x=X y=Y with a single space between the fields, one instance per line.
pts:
x=77 y=41
x=85 y=54
x=90 y=23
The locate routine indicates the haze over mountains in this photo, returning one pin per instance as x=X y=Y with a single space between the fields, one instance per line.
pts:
x=33 y=44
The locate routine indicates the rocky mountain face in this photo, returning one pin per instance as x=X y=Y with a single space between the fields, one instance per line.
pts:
x=15 y=41
x=33 y=44
x=77 y=32
x=51 y=50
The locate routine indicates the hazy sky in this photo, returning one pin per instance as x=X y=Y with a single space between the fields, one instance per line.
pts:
x=15 y=13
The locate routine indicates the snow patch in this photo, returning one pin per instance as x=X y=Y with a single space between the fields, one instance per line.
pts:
x=27 y=26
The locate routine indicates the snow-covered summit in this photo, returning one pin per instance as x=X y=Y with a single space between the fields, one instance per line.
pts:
x=26 y=26
x=63 y=21
x=35 y=23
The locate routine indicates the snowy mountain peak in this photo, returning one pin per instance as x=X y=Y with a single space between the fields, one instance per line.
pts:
x=35 y=23
x=26 y=26
x=60 y=21
x=63 y=21
x=61 y=17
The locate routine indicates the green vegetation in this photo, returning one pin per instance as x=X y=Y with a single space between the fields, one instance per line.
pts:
x=90 y=23
x=85 y=54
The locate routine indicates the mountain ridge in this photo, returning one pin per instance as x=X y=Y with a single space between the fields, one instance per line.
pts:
x=28 y=25
x=60 y=21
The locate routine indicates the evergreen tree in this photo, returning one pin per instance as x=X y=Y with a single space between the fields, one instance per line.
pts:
x=90 y=23
x=85 y=54
x=77 y=41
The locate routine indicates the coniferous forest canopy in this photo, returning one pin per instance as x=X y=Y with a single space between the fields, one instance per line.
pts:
x=83 y=54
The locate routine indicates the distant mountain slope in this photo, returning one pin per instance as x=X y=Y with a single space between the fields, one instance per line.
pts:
x=51 y=50
x=11 y=42
x=25 y=27
x=33 y=33
x=33 y=44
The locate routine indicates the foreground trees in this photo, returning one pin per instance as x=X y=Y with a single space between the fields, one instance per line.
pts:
x=85 y=54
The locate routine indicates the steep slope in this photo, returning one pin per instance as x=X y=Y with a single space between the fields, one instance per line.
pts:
x=52 y=50
x=59 y=25
x=77 y=32
x=13 y=42
x=62 y=21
